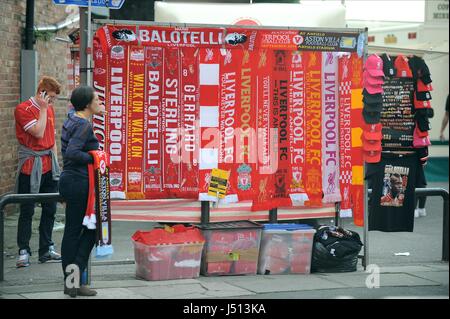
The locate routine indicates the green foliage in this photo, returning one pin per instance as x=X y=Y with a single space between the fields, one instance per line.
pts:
x=43 y=35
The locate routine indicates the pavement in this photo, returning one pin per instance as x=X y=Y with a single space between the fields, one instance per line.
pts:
x=422 y=274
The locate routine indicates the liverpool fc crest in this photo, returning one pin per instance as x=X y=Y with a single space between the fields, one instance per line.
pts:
x=244 y=177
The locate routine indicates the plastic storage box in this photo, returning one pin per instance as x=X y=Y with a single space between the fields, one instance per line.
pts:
x=159 y=255
x=285 y=249
x=232 y=248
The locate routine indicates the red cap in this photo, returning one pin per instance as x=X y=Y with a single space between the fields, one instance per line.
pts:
x=420 y=133
x=374 y=65
x=372 y=88
x=372 y=136
x=372 y=156
x=422 y=87
x=371 y=145
x=402 y=67
x=419 y=141
x=421 y=104
x=377 y=80
x=372 y=127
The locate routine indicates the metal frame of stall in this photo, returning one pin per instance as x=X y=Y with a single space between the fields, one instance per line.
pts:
x=87 y=31
x=205 y=205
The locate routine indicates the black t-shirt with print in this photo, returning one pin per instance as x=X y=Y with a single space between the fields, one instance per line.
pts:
x=392 y=202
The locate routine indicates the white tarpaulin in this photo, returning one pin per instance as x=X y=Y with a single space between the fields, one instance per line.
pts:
x=329 y=15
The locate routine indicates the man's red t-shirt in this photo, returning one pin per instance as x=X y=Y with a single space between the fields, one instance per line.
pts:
x=27 y=115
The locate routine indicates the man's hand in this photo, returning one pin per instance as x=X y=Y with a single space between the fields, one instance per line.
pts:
x=43 y=100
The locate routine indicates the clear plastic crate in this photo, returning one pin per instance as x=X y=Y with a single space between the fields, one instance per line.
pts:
x=232 y=248
x=286 y=249
x=170 y=261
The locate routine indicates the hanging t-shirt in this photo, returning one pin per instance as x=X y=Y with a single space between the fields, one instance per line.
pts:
x=393 y=181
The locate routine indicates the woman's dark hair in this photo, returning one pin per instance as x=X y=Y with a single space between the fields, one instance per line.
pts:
x=81 y=97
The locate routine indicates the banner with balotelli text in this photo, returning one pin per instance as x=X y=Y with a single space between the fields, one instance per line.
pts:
x=272 y=107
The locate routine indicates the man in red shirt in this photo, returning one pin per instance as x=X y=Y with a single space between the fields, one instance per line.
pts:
x=38 y=169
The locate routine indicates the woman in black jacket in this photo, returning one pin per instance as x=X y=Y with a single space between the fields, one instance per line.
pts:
x=77 y=139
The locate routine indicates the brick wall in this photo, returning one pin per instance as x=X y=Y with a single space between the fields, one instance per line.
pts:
x=52 y=61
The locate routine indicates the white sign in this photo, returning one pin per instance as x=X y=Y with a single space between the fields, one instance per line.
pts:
x=329 y=15
x=436 y=12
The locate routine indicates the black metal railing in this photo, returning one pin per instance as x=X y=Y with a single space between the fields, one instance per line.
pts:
x=429 y=192
x=19 y=199
x=56 y=197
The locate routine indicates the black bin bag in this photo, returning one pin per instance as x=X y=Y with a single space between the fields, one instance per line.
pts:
x=335 y=249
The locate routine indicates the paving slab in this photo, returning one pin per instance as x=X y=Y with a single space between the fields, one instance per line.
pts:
x=440 y=277
x=441 y=267
x=12 y=296
x=386 y=280
x=169 y=291
x=110 y=293
x=31 y=288
x=275 y=283
x=140 y=283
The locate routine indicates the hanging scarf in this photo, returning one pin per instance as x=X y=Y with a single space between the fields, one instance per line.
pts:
x=135 y=116
x=357 y=190
x=297 y=133
x=98 y=212
x=345 y=180
x=330 y=129
x=313 y=183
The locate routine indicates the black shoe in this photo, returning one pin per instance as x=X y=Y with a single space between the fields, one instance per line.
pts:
x=50 y=255
x=72 y=292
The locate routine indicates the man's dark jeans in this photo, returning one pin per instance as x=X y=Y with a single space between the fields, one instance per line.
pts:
x=48 y=185
x=78 y=241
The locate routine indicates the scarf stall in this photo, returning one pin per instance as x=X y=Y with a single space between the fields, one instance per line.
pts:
x=277 y=109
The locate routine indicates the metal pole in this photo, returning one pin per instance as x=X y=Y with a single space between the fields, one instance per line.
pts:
x=365 y=260
x=273 y=216
x=445 y=231
x=29 y=25
x=88 y=46
x=204 y=218
x=337 y=209
x=83 y=46
x=2 y=245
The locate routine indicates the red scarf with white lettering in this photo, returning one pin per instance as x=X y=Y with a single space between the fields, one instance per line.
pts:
x=313 y=178
x=330 y=128
x=345 y=180
x=297 y=108
x=357 y=154
x=135 y=116
x=153 y=164
x=98 y=212
x=189 y=122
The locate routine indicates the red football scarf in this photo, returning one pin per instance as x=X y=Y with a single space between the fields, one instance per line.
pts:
x=280 y=114
x=117 y=132
x=246 y=150
x=345 y=138
x=98 y=212
x=230 y=96
x=170 y=118
x=357 y=157
x=313 y=184
x=330 y=129
x=135 y=116
x=209 y=118
x=189 y=121
x=267 y=154
x=153 y=188
x=297 y=129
